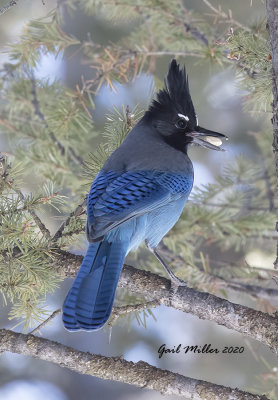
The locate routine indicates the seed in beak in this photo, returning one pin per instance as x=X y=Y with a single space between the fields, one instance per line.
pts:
x=213 y=140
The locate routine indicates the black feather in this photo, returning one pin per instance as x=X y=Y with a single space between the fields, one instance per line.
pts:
x=175 y=97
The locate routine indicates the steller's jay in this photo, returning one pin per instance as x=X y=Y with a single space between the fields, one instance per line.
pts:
x=137 y=196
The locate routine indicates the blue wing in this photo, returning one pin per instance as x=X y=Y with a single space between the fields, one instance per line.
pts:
x=116 y=197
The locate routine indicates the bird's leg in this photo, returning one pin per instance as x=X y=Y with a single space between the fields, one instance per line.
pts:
x=174 y=279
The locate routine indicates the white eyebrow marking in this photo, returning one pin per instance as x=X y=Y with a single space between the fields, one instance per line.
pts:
x=197 y=120
x=184 y=117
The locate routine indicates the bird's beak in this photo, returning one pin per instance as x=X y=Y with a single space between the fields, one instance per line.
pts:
x=209 y=139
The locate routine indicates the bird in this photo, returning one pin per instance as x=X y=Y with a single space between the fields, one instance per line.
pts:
x=136 y=197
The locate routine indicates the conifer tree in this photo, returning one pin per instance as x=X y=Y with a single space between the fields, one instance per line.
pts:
x=47 y=129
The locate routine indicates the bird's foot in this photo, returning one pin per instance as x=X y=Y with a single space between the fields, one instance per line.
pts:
x=175 y=281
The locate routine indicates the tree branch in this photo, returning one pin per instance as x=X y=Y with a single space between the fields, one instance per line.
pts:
x=139 y=374
x=272 y=25
x=260 y=326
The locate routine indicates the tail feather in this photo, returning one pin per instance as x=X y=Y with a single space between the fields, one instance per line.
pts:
x=90 y=300
x=69 y=317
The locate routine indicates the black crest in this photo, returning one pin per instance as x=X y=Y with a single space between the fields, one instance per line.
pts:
x=175 y=97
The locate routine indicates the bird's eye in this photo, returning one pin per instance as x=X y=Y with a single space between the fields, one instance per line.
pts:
x=181 y=123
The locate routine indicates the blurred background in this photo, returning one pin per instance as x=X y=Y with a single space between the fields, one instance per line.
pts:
x=218 y=103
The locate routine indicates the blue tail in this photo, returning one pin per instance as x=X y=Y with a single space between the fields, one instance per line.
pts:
x=89 y=302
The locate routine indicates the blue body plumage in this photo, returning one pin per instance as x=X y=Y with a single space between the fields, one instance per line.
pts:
x=137 y=196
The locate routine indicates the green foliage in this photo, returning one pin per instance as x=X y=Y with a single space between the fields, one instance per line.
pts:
x=118 y=123
x=252 y=55
x=40 y=36
x=46 y=132
x=26 y=271
x=141 y=317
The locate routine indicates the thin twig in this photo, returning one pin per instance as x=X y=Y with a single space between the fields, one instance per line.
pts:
x=7 y=6
x=227 y=17
x=171 y=53
x=253 y=290
x=144 y=52
x=79 y=210
x=76 y=156
x=140 y=374
x=118 y=311
x=53 y=137
x=37 y=220
x=45 y=322
x=8 y=125
x=38 y=112
x=196 y=33
x=130 y=55
x=35 y=217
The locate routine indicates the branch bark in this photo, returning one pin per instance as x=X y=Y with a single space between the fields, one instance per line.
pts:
x=118 y=369
x=260 y=326
x=272 y=25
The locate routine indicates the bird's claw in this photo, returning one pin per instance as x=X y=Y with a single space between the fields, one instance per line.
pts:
x=176 y=282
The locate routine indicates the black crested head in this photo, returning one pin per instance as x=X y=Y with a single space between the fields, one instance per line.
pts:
x=172 y=112
x=172 y=116
x=175 y=96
